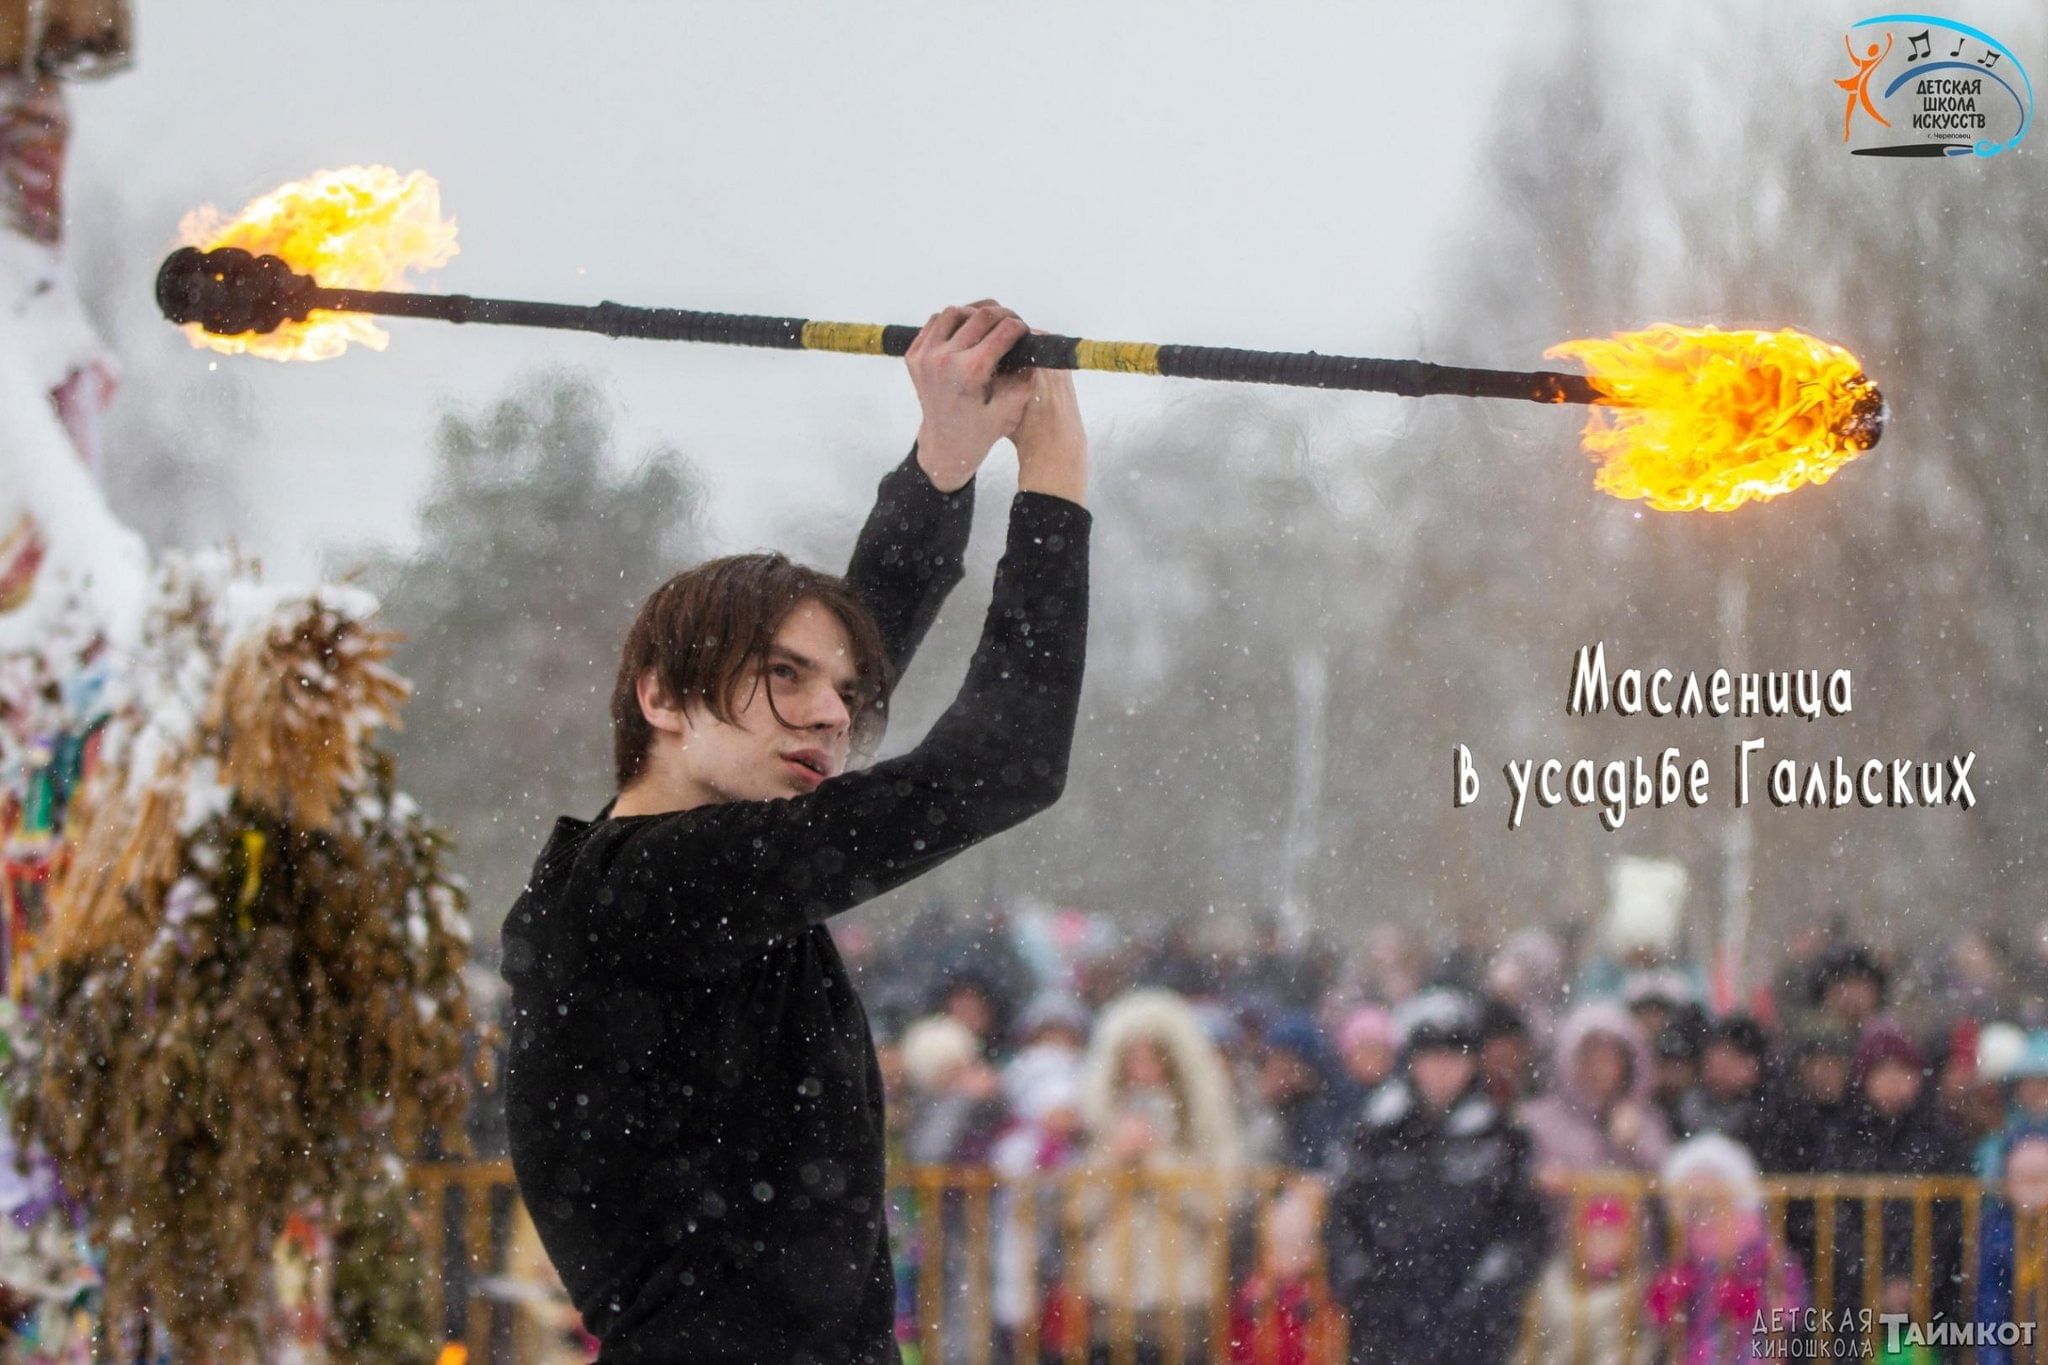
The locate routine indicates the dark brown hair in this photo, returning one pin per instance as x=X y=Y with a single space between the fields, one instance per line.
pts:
x=706 y=632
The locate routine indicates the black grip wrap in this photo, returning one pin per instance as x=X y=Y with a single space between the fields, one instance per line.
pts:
x=611 y=319
x=1034 y=352
x=1410 y=378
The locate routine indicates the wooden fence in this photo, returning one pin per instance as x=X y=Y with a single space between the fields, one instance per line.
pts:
x=1173 y=1266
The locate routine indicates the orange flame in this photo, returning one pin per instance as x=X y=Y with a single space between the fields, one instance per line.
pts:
x=1707 y=420
x=360 y=227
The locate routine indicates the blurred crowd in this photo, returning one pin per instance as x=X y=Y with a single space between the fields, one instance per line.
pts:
x=1443 y=1113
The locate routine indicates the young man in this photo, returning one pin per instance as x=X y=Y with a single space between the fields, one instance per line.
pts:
x=692 y=1093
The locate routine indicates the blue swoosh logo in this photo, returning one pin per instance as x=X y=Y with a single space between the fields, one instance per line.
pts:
x=1985 y=148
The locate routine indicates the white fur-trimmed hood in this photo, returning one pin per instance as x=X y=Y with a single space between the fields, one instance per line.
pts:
x=1203 y=1084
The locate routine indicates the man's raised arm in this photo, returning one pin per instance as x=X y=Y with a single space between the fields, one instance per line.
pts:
x=688 y=893
x=910 y=554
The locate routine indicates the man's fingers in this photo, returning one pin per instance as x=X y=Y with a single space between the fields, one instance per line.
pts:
x=943 y=325
x=1001 y=336
x=979 y=324
x=985 y=356
x=991 y=303
x=923 y=340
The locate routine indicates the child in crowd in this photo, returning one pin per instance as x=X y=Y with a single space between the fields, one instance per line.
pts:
x=2012 y=1274
x=1278 y=1317
x=1042 y=1084
x=1586 y=1299
x=1731 y=1274
x=2027 y=1078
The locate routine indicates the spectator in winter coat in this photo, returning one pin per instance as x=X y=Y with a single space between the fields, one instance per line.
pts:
x=1433 y=1232
x=956 y=1100
x=1730 y=1095
x=1303 y=1083
x=1897 y=1129
x=1658 y=1000
x=1506 y=1055
x=1042 y=1084
x=956 y=1110
x=1599 y=1116
x=1731 y=1274
x=969 y=996
x=2012 y=1268
x=1528 y=976
x=1849 y=984
x=1677 y=1052
x=1275 y=1318
x=1811 y=1117
x=1582 y=1308
x=1156 y=1104
x=1810 y=1122
x=2027 y=1108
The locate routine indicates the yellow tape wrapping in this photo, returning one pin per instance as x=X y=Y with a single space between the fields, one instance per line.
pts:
x=858 y=338
x=1125 y=357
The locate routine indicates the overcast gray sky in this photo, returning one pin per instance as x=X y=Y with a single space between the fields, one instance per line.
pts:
x=1258 y=175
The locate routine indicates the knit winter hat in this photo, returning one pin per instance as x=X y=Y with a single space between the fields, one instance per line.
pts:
x=2032 y=1060
x=1716 y=1157
x=2001 y=1047
x=1439 y=1018
x=1742 y=1033
x=1052 y=1009
x=1040 y=1080
x=934 y=1046
x=1882 y=1045
x=1366 y=1025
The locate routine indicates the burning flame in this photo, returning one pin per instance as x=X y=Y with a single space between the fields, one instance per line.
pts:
x=360 y=227
x=1707 y=420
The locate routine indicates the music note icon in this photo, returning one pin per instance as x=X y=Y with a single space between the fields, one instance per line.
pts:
x=1988 y=60
x=1959 y=47
x=1922 y=47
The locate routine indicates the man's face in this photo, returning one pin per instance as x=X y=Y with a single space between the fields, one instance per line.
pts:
x=1370 y=1061
x=1892 y=1087
x=810 y=668
x=1730 y=1071
x=1504 y=1061
x=1604 y=1068
x=1853 y=998
x=1441 y=1074
x=2026 y=1175
x=972 y=1008
x=1674 y=1076
x=1824 y=1076
x=1282 y=1076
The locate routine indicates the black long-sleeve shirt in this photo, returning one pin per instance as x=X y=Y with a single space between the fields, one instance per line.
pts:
x=694 y=1105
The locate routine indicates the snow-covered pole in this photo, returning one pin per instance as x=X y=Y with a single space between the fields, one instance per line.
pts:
x=229 y=292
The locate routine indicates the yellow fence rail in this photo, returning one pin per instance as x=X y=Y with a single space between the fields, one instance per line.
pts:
x=1197 y=1265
